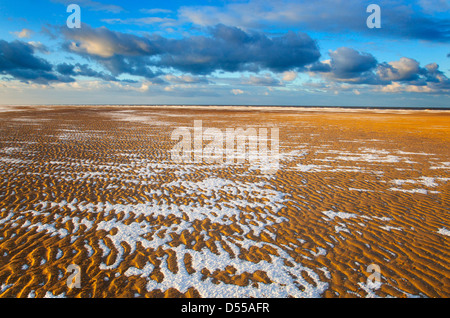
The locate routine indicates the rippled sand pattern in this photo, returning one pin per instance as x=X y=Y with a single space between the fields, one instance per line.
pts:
x=96 y=187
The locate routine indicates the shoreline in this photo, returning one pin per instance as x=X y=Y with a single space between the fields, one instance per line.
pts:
x=337 y=109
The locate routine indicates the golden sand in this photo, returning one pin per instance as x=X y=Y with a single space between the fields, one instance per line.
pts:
x=95 y=187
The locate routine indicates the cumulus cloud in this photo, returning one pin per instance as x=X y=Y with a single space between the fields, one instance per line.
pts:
x=25 y=33
x=350 y=66
x=347 y=65
x=264 y=80
x=289 y=76
x=82 y=70
x=321 y=67
x=224 y=48
x=101 y=42
x=120 y=53
x=185 y=79
x=435 y=77
x=232 y=49
x=18 y=59
x=398 y=88
x=406 y=69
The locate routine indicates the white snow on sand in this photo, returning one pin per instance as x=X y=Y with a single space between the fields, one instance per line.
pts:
x=444 y=231
x=285 y=280
x=343 y=215
x=421 y=191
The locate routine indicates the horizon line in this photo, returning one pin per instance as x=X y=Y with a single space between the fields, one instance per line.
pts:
x=238 y=105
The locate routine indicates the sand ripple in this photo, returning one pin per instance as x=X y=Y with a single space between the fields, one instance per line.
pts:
x=97 y=188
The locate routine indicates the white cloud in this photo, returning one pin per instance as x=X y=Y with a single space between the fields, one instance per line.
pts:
x=237 y=91
x=101 y=49
x=404 y=69
x=289 y=76
x=398 y=88
x=184 y=79
x=264 y=80
x=25 y=33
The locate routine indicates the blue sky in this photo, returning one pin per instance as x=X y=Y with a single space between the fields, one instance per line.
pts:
x=276 y=52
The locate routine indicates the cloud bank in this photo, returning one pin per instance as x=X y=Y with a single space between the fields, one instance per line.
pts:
x=221 y=49
x=19 y=61
x=350 y=66
x=224 y=48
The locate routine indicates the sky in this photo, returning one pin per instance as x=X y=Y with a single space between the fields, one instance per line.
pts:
x=252 y=52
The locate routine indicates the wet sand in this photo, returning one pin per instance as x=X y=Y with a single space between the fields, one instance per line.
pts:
x=96 y=187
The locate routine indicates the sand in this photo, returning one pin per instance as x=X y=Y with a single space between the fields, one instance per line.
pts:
x=95 y=186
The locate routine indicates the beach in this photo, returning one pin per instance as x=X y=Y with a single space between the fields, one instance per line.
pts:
x=357 y=205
